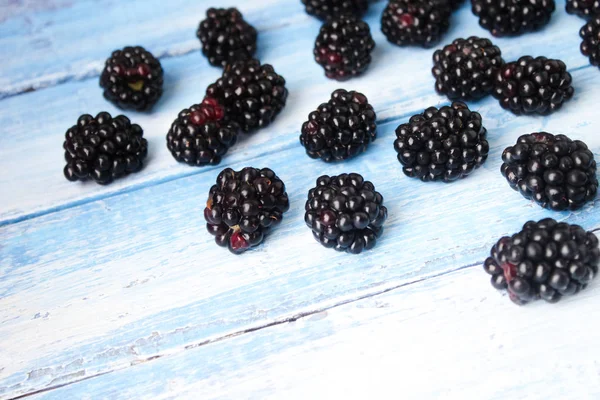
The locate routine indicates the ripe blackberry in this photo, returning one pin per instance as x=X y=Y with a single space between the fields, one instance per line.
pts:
x=226 y=36
x=455 y=4
x=243 y=206
x=345 y=213
x=513 y=17
x=533 y=85
x=103 y=148
x=583 y=8
x=416 y=22
x=442 y=145
x=252 y=94
x=200 y=135
x=466 y=68
x=343 y=48
x=590 y=47
x=327 y=9
x=341 y=128
x=132 y=79
x=546 y=260
x=556 y=172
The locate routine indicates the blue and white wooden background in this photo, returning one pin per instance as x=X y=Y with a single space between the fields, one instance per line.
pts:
x=119 y=292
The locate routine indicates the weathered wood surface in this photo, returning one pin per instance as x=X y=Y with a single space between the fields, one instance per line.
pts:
x=97 y=280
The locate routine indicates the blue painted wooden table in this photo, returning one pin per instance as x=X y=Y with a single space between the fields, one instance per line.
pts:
x=119 y=292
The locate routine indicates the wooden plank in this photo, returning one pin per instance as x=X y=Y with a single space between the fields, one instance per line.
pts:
x=398 y=84
x=143 y=266
x=47 y=43
x=452 y=337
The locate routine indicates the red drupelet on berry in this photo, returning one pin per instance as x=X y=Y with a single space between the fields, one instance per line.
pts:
x=546 y=260
x=343 y=48
x=201 y=135
x=416 y=22
x=244 y=206
x=132 y=79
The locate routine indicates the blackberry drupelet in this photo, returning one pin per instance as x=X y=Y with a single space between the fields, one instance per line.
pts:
x=132 y=79
x=416 y=22
x=343 y=48
x=533 y=85
x=252 y=94
x=103 y=148
x=442 y=145
x=341 y=128
x=590 y=46
x=201 y=135
x=583 y=8
x=546 y=260
x=455 y=4
x=226 y=36
x=327 y=9
x=466 y=68
x=345 y=213
x=244 y=206
x=554 y=171
x=513 y=17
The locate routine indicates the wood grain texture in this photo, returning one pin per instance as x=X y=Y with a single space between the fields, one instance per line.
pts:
x=99 y=279
x=142 y=264
x=398 y=84
x=452 y=338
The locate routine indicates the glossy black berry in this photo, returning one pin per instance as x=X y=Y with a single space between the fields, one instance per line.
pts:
x=132 y=79
x=513 y=17
x=345 y=213
x=546 y=260
x=583 y=8
x=416 y=22
x=533 y=85
x=252 y=94
x=341 y=128
x=455 y=4
x=201 y=135
x=103 y=148
x=243 y=206
x=466 y=68
x=590 y=46
x=554 y=171
x=226 y=36
x=328 y=9
x=442 y=145
x=343 y=48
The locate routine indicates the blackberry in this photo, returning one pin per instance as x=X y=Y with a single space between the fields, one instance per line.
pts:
x=132 y=79
x=103 y=148
x=455 y=4
x=556 y=172
x=244 y=206
x=590 y=46
x=442 y=145
x=226 y=36
x=343 y=48
x=200 y=135
x=583 y=8
x=533 y=85
x=546 y=260
x=513 y=17
x=341 y=128
x=466 y=68
x=345 y=213
x=327 y=9
x=252 y=94
x=416 y=22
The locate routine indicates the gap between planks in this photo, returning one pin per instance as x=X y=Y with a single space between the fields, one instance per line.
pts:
x=135 y=187
x=256 y=328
